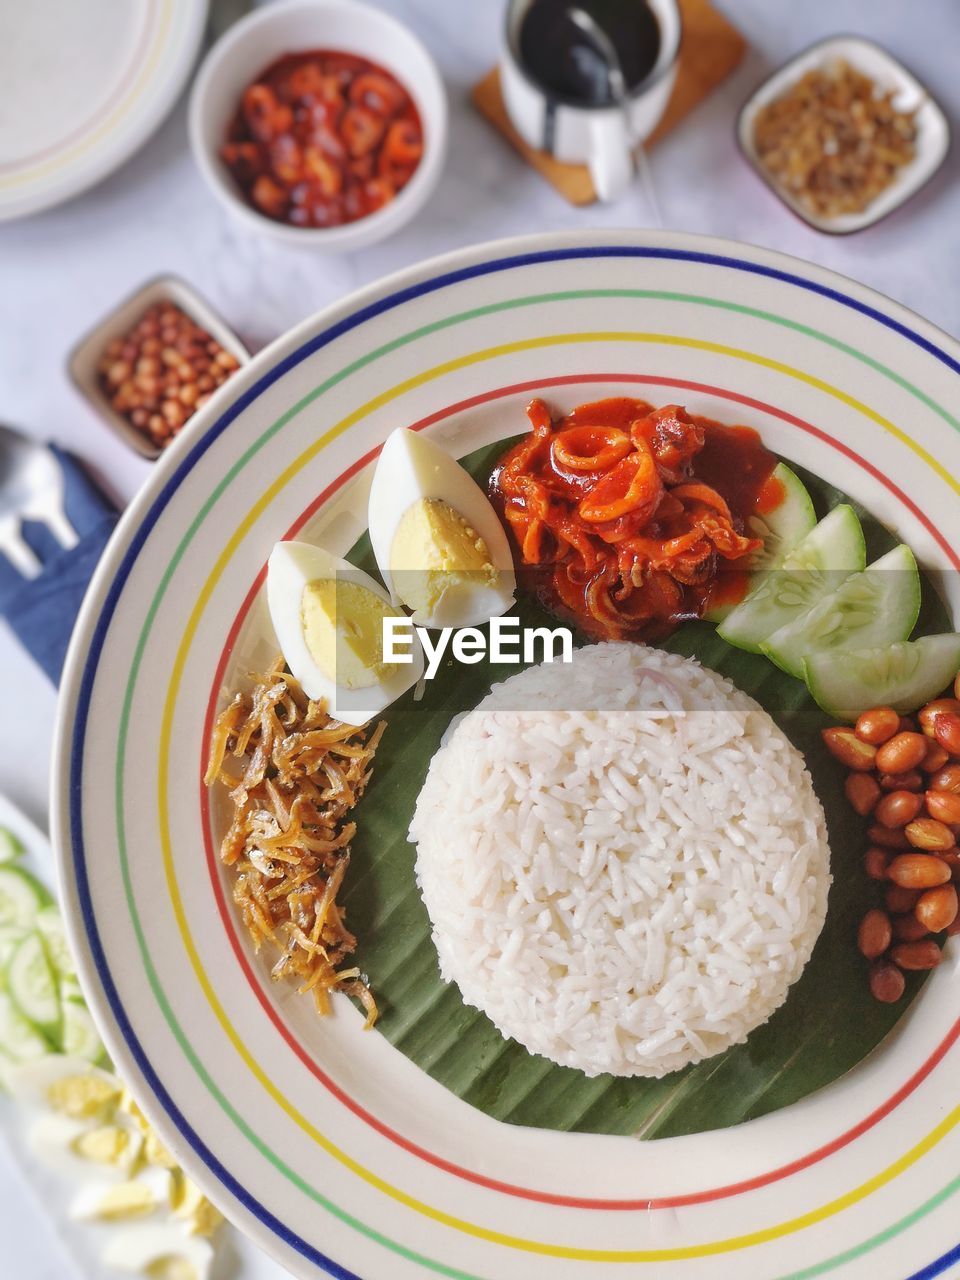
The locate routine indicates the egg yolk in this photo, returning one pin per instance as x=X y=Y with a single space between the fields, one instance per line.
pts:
x=154 y=1152
x=81 y=1096
x=190 y=1203
x=107 y=1145
x=126 y=1200
x=343 y=629
x=435 y=550
x=170 y=1267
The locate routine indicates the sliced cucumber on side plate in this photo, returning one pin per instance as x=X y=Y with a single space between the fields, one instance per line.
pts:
x=21 y=896
x=42 y=1009
x=903 y=675
x=781 y=530
x=829 y=553
x=18 y=1038
x=32 y=986
x=50 y=924
x=10 y=936
x=70 y=988
x=876 y=607
x=80 y=1038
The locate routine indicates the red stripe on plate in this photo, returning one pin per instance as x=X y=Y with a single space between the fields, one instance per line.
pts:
x=226 y=915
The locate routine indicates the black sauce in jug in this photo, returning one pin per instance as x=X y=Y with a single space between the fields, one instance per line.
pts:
x=564 y=59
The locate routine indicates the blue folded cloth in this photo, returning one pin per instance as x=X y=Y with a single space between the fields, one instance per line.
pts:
x=41 y=611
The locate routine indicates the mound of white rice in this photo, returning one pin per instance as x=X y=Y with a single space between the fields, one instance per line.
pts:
x=624 y=861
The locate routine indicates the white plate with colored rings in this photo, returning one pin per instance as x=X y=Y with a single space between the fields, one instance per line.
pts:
x=331 y=1148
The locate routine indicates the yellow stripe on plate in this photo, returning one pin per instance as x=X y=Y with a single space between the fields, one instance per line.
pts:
x=706 y=1249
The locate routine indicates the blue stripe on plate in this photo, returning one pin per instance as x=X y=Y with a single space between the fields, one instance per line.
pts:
x=938 y=1266
x=212 y=434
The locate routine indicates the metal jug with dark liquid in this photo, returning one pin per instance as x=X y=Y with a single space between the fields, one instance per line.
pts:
x=588 y=80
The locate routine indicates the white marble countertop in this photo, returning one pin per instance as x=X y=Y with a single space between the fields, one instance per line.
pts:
x=60 y=271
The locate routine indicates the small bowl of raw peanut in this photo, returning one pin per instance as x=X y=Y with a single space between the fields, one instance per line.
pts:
x=154 y=362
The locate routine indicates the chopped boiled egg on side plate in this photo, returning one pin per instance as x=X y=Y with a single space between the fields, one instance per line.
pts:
x=193 y=1208
x=439 y=545
x=70 y=1086
x=162 y=1252
x=329 y=616
x=77 y=1118
x=148 y=1193
x=83 y=1150
x=109 y=1144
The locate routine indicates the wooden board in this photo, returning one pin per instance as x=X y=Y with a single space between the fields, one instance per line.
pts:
x=710 y=49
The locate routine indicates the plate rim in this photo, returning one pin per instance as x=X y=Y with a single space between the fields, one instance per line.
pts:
x=395 y=289
x=109 y=155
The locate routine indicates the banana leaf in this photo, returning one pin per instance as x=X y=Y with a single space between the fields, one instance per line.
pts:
x=828 y=1023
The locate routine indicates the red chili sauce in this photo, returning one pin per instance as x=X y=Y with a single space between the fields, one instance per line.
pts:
x=321 y=138
x=630 y=519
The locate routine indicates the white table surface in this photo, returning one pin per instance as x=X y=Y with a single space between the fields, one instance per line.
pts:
x=61 y=270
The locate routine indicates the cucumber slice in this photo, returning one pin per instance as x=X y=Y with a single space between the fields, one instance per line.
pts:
x=787 y=525
x=10 y=935
x=781 y=530
x=79 y=1036
x=903 y=676
x=21 y=896
x=830 y=552
x=10 y=846
x=50 y=924
x=70 y=989
x=18 y=1038
x=877 y=607
x=32 y=985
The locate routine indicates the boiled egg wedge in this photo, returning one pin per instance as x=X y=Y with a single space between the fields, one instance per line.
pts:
x=329 y=619
x=161 y=1251
x=192 y=1207
x=149 y=1193
x=85 y=1151
x=68 y=1086
x=439 y=545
